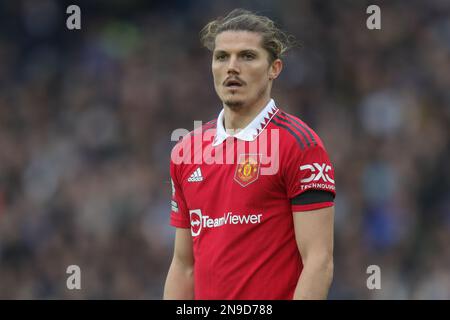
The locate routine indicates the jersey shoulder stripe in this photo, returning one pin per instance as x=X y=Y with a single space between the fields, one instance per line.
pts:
x=294 y=128
x=298 y=124
x=299 y=141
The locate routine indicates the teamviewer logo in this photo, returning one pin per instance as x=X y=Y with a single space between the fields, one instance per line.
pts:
x=196 y=221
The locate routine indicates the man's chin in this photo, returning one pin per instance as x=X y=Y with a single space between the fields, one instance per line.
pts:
x=234 y=104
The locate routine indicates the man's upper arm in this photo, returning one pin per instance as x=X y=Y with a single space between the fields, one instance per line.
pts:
x=309 y=177
x=314 y=233
x=179 y=215
x=183 y=251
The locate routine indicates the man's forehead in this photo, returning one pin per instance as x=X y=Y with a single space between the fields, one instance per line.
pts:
x=238 y=40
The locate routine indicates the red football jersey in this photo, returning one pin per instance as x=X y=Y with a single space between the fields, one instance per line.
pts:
x=235 y=194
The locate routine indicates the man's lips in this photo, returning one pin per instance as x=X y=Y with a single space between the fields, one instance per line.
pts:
x=233 y=83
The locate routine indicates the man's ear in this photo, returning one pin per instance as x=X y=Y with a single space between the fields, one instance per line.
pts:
x=275 y=69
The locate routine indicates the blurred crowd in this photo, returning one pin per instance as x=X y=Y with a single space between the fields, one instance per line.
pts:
x=86 y=118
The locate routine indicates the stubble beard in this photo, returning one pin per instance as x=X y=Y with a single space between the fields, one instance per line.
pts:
x=234 y=105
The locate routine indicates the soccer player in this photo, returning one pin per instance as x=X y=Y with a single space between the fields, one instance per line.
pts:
x=260 y=226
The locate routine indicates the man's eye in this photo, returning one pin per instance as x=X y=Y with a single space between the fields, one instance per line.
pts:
x=220 y=57
x=249 y=56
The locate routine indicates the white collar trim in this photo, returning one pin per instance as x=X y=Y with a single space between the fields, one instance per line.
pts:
x=252 y=130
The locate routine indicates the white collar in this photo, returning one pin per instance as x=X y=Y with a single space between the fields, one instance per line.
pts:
x=252 y=130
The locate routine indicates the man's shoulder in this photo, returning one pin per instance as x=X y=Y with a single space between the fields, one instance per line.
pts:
x=294 y=131
x=199 y=131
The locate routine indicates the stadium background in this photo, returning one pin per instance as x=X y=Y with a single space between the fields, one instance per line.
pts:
x=86 y=118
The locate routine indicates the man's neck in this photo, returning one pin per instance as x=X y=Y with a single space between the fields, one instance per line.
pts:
x=237 y=120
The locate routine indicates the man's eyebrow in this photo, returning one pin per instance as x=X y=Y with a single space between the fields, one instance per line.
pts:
x=249 y=51
x=240 y=52
x=220 y=52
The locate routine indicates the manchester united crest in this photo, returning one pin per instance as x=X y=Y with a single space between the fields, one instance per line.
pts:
x=247 y=169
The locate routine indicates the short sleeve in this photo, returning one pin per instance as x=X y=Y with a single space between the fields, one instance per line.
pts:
x=307 y=170
x=179 y=215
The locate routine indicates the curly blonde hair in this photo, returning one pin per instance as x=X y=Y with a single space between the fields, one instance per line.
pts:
x=274 y=40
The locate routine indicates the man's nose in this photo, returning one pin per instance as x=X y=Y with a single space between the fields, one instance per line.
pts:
x=233 y=65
